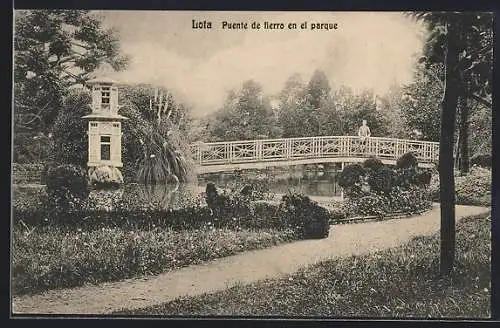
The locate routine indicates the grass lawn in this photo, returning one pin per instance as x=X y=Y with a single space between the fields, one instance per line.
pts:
x=399 y=282
x=51 y=258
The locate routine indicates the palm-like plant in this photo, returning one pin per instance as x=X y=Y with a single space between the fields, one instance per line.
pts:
x=165 y=158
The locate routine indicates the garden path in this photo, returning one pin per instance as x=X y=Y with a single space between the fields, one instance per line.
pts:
x=344 y=240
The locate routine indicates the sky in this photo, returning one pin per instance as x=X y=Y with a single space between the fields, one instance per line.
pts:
x=368 y=50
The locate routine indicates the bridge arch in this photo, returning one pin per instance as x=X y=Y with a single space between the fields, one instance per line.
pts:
x=262 y=153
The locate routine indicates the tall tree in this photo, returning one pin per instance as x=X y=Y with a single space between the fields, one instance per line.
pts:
x=318 y=88
x=420 y=103
x=475 y=50
x=390 y=107
x=53 y=50
x=308 y=110
x=445 y=27
x=354 y=108
x=246 y=114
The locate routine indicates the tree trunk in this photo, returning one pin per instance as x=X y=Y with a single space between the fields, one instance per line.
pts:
x=464 y=135
x=447 y=180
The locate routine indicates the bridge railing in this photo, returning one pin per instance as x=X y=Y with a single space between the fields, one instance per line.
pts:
x=246 y=151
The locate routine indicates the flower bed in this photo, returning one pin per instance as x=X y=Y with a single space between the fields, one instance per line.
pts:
x=373 y=190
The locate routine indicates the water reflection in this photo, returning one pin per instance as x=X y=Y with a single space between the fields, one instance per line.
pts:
x=314 y=180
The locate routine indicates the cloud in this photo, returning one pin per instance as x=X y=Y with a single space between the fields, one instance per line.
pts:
x=369 y=50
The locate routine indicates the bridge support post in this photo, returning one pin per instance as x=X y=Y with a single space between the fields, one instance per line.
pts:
x=341 y=189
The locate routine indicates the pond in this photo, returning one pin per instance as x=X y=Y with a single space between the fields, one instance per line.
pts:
x=314 y=180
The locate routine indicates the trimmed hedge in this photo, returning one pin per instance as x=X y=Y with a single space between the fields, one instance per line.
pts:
x=127 y=213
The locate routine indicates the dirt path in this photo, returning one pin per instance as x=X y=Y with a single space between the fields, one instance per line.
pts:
x=247 y=267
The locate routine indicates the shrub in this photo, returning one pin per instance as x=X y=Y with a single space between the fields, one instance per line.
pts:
x=351 y=175
x=70 y=177
x=408 y=201
x=308 y=218
x=407 y=160
x=45 y=170
x=474 y=188
x=423 y=178
x=67 y=188
x=70 y=140
x=405 y=177
x=380 y=191
x=227 y=204
x=373 y=164
x=381 y=179
x=26 y=173
x=114 y=208
x=471 y=189
x=482 y=160
x=29 y=205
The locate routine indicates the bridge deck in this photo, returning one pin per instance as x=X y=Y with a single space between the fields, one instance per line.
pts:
x=246 y=154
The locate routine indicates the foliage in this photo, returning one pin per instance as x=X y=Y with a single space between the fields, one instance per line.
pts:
x=381 y=179
x=373 y=164
x=407 y=160
x=307 y=217
x=69 y=142
x=67 y=176
x=67 y=188
x=383 y=191
x=28 y=200
x=351 y=175
x=401 y=282
x=162 y=163
x=481 y=126
x=473 y=188
x=30 y=147
x=53 y=50
x=398 y=201
x=308 y=110
x=26 y=173
x=318 y=88
x=246 y=114
x=482 y=160
x=155 y=148
x=390 y=105
x=354 y=108
x=51 y=258
x=421 y=100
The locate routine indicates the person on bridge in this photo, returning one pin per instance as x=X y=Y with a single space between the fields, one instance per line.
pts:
x=363 y=134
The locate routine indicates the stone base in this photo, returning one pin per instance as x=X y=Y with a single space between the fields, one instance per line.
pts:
x=105 y=175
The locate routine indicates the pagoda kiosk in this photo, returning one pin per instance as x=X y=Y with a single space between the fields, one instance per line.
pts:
x=104 y=132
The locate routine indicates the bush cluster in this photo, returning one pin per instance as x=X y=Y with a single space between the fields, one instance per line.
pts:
x=473 y=188
x=373 y=189
x=232 y=211
x=309 y=219
x=67 y=188
x=398 y=201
